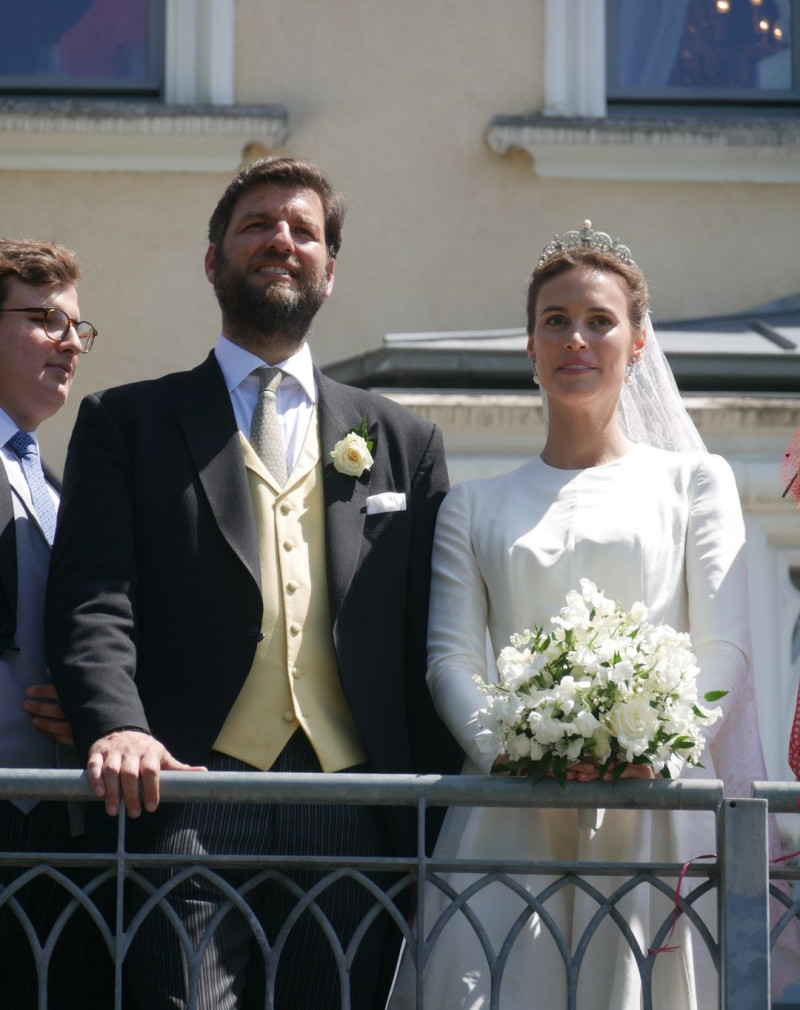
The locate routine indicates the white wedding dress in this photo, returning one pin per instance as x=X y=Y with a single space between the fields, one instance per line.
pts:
x=661 y=527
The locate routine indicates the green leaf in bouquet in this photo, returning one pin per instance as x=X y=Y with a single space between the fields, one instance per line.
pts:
x=541 y=769
x=714 y=695
x=665 y=772
x=616 y=774
x=682 y=742
x=526 y=766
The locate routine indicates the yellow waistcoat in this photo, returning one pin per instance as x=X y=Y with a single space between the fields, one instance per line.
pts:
x=294 y=679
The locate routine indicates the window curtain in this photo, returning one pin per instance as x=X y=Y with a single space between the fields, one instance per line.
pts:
x=648 y=35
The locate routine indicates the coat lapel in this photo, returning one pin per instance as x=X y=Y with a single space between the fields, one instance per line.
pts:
x=8 y=557
x=8 y=564
x=345 y=497
x=209 y=426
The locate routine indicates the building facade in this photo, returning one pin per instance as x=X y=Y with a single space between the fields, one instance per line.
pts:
x=464 y=135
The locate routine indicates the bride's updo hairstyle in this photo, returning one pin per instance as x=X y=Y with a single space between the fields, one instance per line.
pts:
x=590 y=250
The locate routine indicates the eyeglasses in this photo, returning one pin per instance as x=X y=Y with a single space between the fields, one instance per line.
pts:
x=57 y=323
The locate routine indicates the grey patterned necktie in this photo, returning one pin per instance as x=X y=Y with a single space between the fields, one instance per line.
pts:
x=24 y=447
x=266 y=436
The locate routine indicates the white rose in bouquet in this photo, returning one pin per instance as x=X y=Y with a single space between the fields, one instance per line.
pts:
x=635 y=724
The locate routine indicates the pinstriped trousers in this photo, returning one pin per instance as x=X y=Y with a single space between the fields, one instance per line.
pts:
x=232 y=974
x=44 y=829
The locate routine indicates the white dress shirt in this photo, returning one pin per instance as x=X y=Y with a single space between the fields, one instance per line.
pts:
x=296 y=396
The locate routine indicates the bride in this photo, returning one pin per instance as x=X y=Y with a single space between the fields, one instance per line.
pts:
x=622 y=494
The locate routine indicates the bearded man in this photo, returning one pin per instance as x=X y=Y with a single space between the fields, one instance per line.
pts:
x=225 y=593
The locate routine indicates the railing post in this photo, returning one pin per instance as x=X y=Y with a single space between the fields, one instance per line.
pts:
x=119 y=906
x=743 y=905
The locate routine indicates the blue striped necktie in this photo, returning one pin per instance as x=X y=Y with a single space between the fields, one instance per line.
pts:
x=25 y=449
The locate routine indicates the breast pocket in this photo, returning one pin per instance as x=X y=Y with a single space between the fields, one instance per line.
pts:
x=390 y=523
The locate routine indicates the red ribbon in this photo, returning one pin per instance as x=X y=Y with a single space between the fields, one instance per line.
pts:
x=794 y=743
x=676 y=911
x=783 y=859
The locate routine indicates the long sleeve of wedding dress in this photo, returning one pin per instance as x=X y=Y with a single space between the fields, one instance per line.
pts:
x=457 y=651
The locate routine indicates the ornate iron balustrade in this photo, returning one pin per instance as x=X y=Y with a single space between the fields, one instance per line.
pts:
x=737 y=938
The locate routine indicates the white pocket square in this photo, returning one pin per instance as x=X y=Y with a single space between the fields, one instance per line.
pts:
x=389 y=501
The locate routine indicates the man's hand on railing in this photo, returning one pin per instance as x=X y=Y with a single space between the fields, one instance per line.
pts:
x=129 y=757
x=46 y=713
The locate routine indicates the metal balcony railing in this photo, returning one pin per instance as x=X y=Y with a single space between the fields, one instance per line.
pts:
x=737 y=935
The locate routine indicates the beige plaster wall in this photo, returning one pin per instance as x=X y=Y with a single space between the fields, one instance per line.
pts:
x=140 y=239
x=393 y=99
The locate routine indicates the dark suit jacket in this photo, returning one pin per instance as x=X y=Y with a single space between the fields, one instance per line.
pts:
x=8 y=566
x=155 y=608
x=8 y=560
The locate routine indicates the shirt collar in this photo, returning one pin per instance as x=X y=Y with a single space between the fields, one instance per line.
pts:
x=9 y=428
x=236 y=365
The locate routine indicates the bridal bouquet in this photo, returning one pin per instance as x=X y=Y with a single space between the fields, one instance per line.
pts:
x=603 y=685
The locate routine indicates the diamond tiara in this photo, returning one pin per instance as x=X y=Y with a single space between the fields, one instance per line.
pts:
x=586 y=238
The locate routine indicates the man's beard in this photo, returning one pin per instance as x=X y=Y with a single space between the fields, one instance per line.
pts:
x=274 y=310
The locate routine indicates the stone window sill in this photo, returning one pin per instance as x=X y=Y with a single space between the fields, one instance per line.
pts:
x=135 y=136
x=650 y=149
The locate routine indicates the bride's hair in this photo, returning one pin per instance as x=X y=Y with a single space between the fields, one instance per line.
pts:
x=604 y=261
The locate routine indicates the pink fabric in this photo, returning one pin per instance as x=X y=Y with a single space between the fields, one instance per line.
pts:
x=794 y=742
x=108 y=41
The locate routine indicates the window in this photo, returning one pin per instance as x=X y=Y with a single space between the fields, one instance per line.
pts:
x=82 y=48
x=179 y=54
x=574 y=137
x=178 y=51
x=703 y=52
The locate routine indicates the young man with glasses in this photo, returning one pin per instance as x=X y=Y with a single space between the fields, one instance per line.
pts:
x=41 y=338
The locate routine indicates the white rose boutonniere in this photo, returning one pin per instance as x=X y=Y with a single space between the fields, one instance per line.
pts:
x=352 y=455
